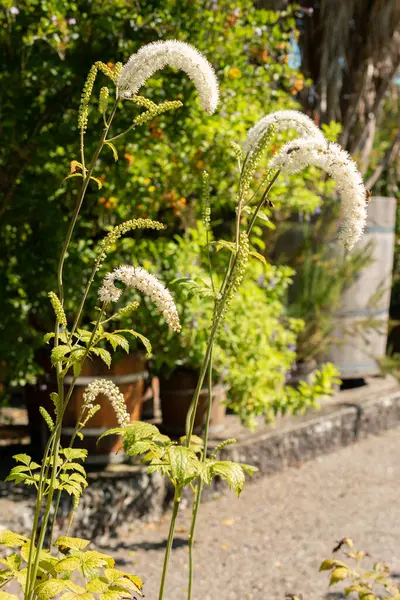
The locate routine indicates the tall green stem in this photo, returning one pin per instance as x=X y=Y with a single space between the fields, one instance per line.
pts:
x=207 y=362
x=199 y=485
x=54 y=440
x=217 y=316
x=177 y=499
x=80 y=201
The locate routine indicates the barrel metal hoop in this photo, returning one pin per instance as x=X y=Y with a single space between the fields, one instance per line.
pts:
x=89 y=431
x=217 y=389
x=378 y=229
x=121 y=379
x=361 y=312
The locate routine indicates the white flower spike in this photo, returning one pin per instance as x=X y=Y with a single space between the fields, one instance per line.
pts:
x=335 y=161
x=157 y=55
x=142 y=280
x=283 y=120
x=109 y=389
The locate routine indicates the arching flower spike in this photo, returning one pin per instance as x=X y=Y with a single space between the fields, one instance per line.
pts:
x=142 y=280
x=109 y=389
x=283 y=120
x=154 y=57
x=335 y=161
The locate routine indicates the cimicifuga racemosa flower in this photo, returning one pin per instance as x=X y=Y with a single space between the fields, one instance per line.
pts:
x=180 y=55
x=85 y=99
x=140 y=279
x=159 y=109
x=252 y=160
x=108 y=243
x=116 y=398
x=237 y=150
x=108 y=71
x=117 y=70
x=103 y=99
x=145 y=102
x=206 y=216
x=235 y=279
x=127 y=310
x=58 y=310
x=283 y=120
x=337 y=163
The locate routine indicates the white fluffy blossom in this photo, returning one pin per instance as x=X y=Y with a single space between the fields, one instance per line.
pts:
x=109 y=389
x=142 y=280
x=283 y=120
x=157 y=55
x=335 y=161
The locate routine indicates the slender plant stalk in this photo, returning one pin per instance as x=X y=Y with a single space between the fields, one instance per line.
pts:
x=216 y=321
x=50 y=493
x=80 y=201
x=199 y=485
x=54 y=440
x=177 y=500
x=207 y=362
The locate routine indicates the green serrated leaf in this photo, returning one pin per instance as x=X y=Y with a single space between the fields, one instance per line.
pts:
x=230 y=471
x=117 y=340
x=330 y=563
x=77 y=596
x=184 y=464
x=13 y=562
x=8 y=596
x=71 y=543
x=50 y=588
x=338 y=574
x=80 y=479
x=11 y=539
x=19 y=469
x=113 y=431
x=249 y=469
x=69 y=564
x=47 y=337
x=224 y=244
x=74 y=466
x=58 y=353
x=74 y=453
x=146 y=343
x=103 y=354
x=258 y=256
x=22 y=458
x=205 y=472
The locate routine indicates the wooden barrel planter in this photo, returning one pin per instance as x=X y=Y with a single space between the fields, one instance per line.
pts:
x=128 y=374
x=360 y=346
x=176 y=395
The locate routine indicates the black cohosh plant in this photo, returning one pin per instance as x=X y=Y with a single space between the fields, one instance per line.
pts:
x=44 y=567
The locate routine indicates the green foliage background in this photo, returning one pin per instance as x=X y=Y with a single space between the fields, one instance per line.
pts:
x=47 y=49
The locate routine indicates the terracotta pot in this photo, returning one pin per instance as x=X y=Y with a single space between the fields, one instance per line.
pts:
x=176 y=395
x=128 y=374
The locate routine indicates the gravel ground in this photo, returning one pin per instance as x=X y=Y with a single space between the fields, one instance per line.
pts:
x=271 y=540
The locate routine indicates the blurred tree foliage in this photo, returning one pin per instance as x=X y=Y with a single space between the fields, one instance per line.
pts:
x=46 y=50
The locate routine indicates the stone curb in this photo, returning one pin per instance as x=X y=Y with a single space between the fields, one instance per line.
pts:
x=341 y=425
x=125 y=493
